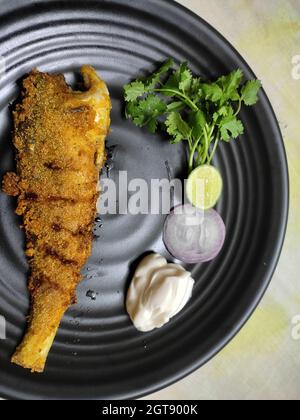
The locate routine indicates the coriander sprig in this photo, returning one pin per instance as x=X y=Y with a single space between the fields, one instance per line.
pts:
x=190 y=109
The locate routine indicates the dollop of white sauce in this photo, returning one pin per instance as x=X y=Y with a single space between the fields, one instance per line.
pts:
x=157 y=292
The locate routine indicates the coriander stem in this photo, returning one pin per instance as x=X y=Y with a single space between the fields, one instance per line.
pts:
x=211 y=131
x=239 y=108
x=207 y=141
x=192 y=154
x=187 y=100
x=200 y=155
x=214 y=149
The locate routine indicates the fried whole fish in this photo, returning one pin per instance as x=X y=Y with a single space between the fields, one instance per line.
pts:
x=59 y=136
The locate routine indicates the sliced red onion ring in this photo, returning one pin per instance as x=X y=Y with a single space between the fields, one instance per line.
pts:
x=194 y=236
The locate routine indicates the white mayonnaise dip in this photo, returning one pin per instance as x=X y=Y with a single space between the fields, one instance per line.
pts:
x=157 y=292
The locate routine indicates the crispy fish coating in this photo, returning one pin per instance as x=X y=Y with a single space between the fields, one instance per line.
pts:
x=59 y=136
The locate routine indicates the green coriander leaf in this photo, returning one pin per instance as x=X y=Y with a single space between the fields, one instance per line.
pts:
x=231 y=127
x=176 y=106
x=180 y=81
x=171 y=87
x=155 y=78
x=153 y=105
x=152 y=125
x=250 y=92
x=166 y=66
x=196 y=91
x=134 y=91
x=224 y=111
x=212 y=92
x=172 y=82
x=185 y=78
x=133 y=111
x=230 y=85
x=138 y=88
x=197 y=120
x=151 y=108
x=146 y=112
x=177 y=127
x=130 y=109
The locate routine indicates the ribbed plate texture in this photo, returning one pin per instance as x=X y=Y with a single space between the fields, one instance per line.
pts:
x=98 y=354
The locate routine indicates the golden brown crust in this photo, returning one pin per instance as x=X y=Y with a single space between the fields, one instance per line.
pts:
x=60 y=147
x=10 y=184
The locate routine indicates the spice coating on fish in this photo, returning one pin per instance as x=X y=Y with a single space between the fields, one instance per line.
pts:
x=59 y=136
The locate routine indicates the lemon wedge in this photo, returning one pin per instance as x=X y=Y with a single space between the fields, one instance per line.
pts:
x=204 y=187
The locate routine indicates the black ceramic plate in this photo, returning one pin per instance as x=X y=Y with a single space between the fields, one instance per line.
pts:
x=97 y=353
